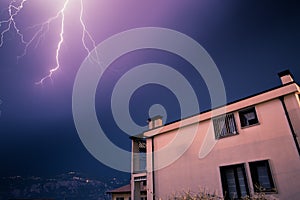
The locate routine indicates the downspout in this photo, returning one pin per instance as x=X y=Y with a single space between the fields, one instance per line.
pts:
x=154 y=122
x=290 y=124
x=153 y=180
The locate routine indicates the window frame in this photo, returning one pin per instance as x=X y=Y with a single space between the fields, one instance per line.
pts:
x=218 y=130
x=224 y=180
x=247 y=110
x=255 y=177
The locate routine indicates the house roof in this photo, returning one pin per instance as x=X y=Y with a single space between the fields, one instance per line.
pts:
x=267 y=95
x=123 y=189
x=126 y=189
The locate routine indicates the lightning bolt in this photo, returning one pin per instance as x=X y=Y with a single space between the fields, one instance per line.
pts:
x=10 y=23
x=87 y=35
x=42 y=29
x=61 y=40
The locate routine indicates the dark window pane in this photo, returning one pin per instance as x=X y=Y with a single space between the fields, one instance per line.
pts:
x=242 y=181
x=231 y=185
x=261 y=176
x=248 y=117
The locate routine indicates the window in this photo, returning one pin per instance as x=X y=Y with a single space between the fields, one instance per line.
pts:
x=234 y=181
x=248 y=117
x=120 y=198
x=261 y=176
x=141 y=146
x=224 y=126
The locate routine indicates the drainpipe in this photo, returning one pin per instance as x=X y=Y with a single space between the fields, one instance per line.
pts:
x=153 y=176
x=290 y=124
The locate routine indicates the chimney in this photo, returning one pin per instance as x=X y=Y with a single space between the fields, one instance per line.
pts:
x=286 y=77
x=155 y=122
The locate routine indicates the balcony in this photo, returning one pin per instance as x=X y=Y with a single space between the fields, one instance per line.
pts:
x=139 y=156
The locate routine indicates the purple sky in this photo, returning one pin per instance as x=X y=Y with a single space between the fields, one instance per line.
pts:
x=250 y=42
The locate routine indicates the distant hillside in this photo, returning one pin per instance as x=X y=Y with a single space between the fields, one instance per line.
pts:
x=69 y=186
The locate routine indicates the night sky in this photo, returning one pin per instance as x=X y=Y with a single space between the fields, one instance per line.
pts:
x=250 y=41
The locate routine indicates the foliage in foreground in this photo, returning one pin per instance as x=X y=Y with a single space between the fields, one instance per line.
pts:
x=203 y=194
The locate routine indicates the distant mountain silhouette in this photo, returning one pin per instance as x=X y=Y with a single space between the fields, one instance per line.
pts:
x=69 y=186
x=31 y=199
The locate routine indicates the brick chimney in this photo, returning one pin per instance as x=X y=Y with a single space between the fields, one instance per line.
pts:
x=286 y=77
x=155 y=122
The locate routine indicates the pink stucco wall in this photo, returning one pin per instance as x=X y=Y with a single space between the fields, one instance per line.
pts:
x=269 y=140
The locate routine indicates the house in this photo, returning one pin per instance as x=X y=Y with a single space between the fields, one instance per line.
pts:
x=121 y=193
x=124 y=192
x=246 y=147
